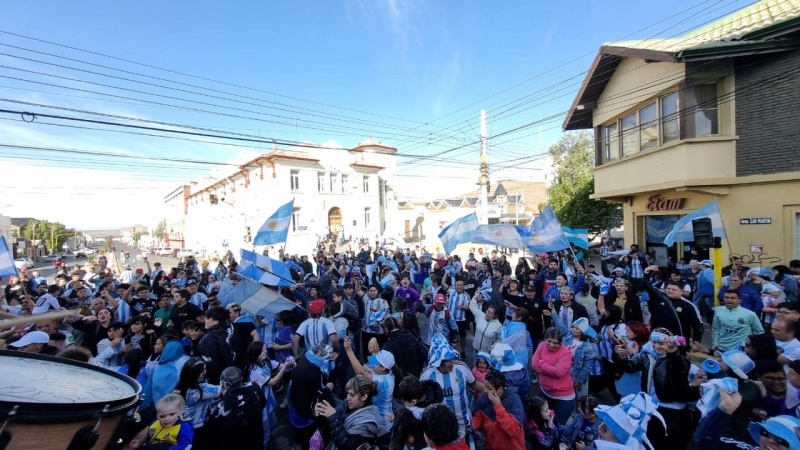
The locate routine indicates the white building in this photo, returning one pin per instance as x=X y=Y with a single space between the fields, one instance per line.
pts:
x=337 y=193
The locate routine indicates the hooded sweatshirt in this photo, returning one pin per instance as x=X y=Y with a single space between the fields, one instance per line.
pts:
x=349 y=430
x=502 y=423
x=165 y=377
x=554 y=370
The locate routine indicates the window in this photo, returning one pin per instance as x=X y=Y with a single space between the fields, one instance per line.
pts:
x=335 y=182
x=706 y=117
x=295 y=220
x=321 y=181
x=366 y=184
x=381 y=191
x=630 y=134
x=294 y=177
x=611 y=142
x=366 y=217
x=670 y=126
x=344 y=184
x=648 y=131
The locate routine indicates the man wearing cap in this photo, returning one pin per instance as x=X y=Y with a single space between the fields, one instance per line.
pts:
x=440 y=321
x=454 y=377
x=704 y=294
x=198 y=298
x=732 y=324
x=316 y=329
x=31 y=342
x=775 y=433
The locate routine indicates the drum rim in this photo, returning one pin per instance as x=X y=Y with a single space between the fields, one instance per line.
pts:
x=33 y=412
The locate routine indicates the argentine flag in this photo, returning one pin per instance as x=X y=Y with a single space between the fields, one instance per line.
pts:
x=264 y=269
x=504 y=235
x=546 y=234
x=682 y=231
x=7 y=267
x=276 y=227
x=458 y=232
x=577 y=236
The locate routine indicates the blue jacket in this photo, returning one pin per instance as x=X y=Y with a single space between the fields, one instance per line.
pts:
x=166 y=375
x=705 y=283
x=750 y=298
x=584 y=357
x=555 y=292
x=574 y=426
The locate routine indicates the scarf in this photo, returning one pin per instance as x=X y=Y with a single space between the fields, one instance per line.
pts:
x=325 y=366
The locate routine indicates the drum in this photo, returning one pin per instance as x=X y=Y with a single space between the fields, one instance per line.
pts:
x=55 y=403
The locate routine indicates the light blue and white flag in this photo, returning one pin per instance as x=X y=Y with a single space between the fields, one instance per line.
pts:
x=257 y=299
x=503 y=235
x=276 y=228
x=577 y=236
x=458 y=232
x=546 y=234
x=264 y=269
x=682 y=231
x=389 y=262
x=7 y=267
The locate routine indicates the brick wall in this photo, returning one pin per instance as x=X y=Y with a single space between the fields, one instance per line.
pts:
x=768 y=114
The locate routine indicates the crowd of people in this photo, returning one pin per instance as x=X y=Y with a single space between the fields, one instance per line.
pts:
x=412 y=350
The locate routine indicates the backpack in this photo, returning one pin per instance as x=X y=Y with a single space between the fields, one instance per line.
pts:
x=446 y=312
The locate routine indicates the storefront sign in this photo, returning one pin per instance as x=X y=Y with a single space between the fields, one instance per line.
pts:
x=755 y=221
x=756 y=249
x=656 y=203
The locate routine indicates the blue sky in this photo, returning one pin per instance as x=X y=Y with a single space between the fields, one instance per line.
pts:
x=402 y=71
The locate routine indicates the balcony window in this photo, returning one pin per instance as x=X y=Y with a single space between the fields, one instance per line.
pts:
x=344 y=184
x=630 y=134
x=670 y=126
x=366 y=184
x=706 y=113
x=335 y=183
x=611 y=142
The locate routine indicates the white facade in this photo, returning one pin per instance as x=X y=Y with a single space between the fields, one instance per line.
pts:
x=346 y=192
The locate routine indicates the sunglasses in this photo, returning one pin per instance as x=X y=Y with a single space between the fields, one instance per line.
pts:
x=778 y=439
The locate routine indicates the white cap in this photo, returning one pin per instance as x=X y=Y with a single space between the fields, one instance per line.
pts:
x=385 y=359
x=34 y=337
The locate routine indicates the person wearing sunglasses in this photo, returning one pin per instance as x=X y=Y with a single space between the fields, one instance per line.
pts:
x=774 y=433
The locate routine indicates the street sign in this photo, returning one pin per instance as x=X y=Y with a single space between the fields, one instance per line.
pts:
x=755 y=221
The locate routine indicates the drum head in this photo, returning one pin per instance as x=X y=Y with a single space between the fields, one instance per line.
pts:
x=48 y=389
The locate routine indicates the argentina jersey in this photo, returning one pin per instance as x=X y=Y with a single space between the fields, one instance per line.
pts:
x=456 y=299
x=454 y=385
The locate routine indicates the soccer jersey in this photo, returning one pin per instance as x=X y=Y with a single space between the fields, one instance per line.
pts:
x=456 y=300
x=316 y=331
x=454 y=385
x=384 y=398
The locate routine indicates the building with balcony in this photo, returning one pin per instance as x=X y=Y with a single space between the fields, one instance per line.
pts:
x=680 y=122
x=339 y=194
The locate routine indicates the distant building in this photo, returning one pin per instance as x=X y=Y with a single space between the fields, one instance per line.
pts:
x=338 y=194
x=510 y=201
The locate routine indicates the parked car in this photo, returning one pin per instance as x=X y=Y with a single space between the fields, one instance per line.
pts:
x=185 y=252
x=87 y=251
x=164 y=251
x=52 y=257
x=23 y=263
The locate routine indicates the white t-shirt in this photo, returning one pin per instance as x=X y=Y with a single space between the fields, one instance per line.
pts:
x=315 y=331
x=46 y=303
x=790 y=349
x=454 y=385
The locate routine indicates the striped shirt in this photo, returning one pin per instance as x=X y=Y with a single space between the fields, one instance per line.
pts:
x=316 y=331
x=124 y=311
x=454 y=385
x=384 y=398
x=456 y=299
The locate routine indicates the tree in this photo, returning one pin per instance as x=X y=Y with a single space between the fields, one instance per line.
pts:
x=52 y=234
x=573 y=160
x=159 y=230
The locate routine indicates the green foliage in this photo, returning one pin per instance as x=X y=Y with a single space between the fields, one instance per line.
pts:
x=52 y=234
x=573 y=160
x=584 y=212
x=160 y=229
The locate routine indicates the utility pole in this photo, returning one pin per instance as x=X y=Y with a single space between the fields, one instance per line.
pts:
x=483 y=217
